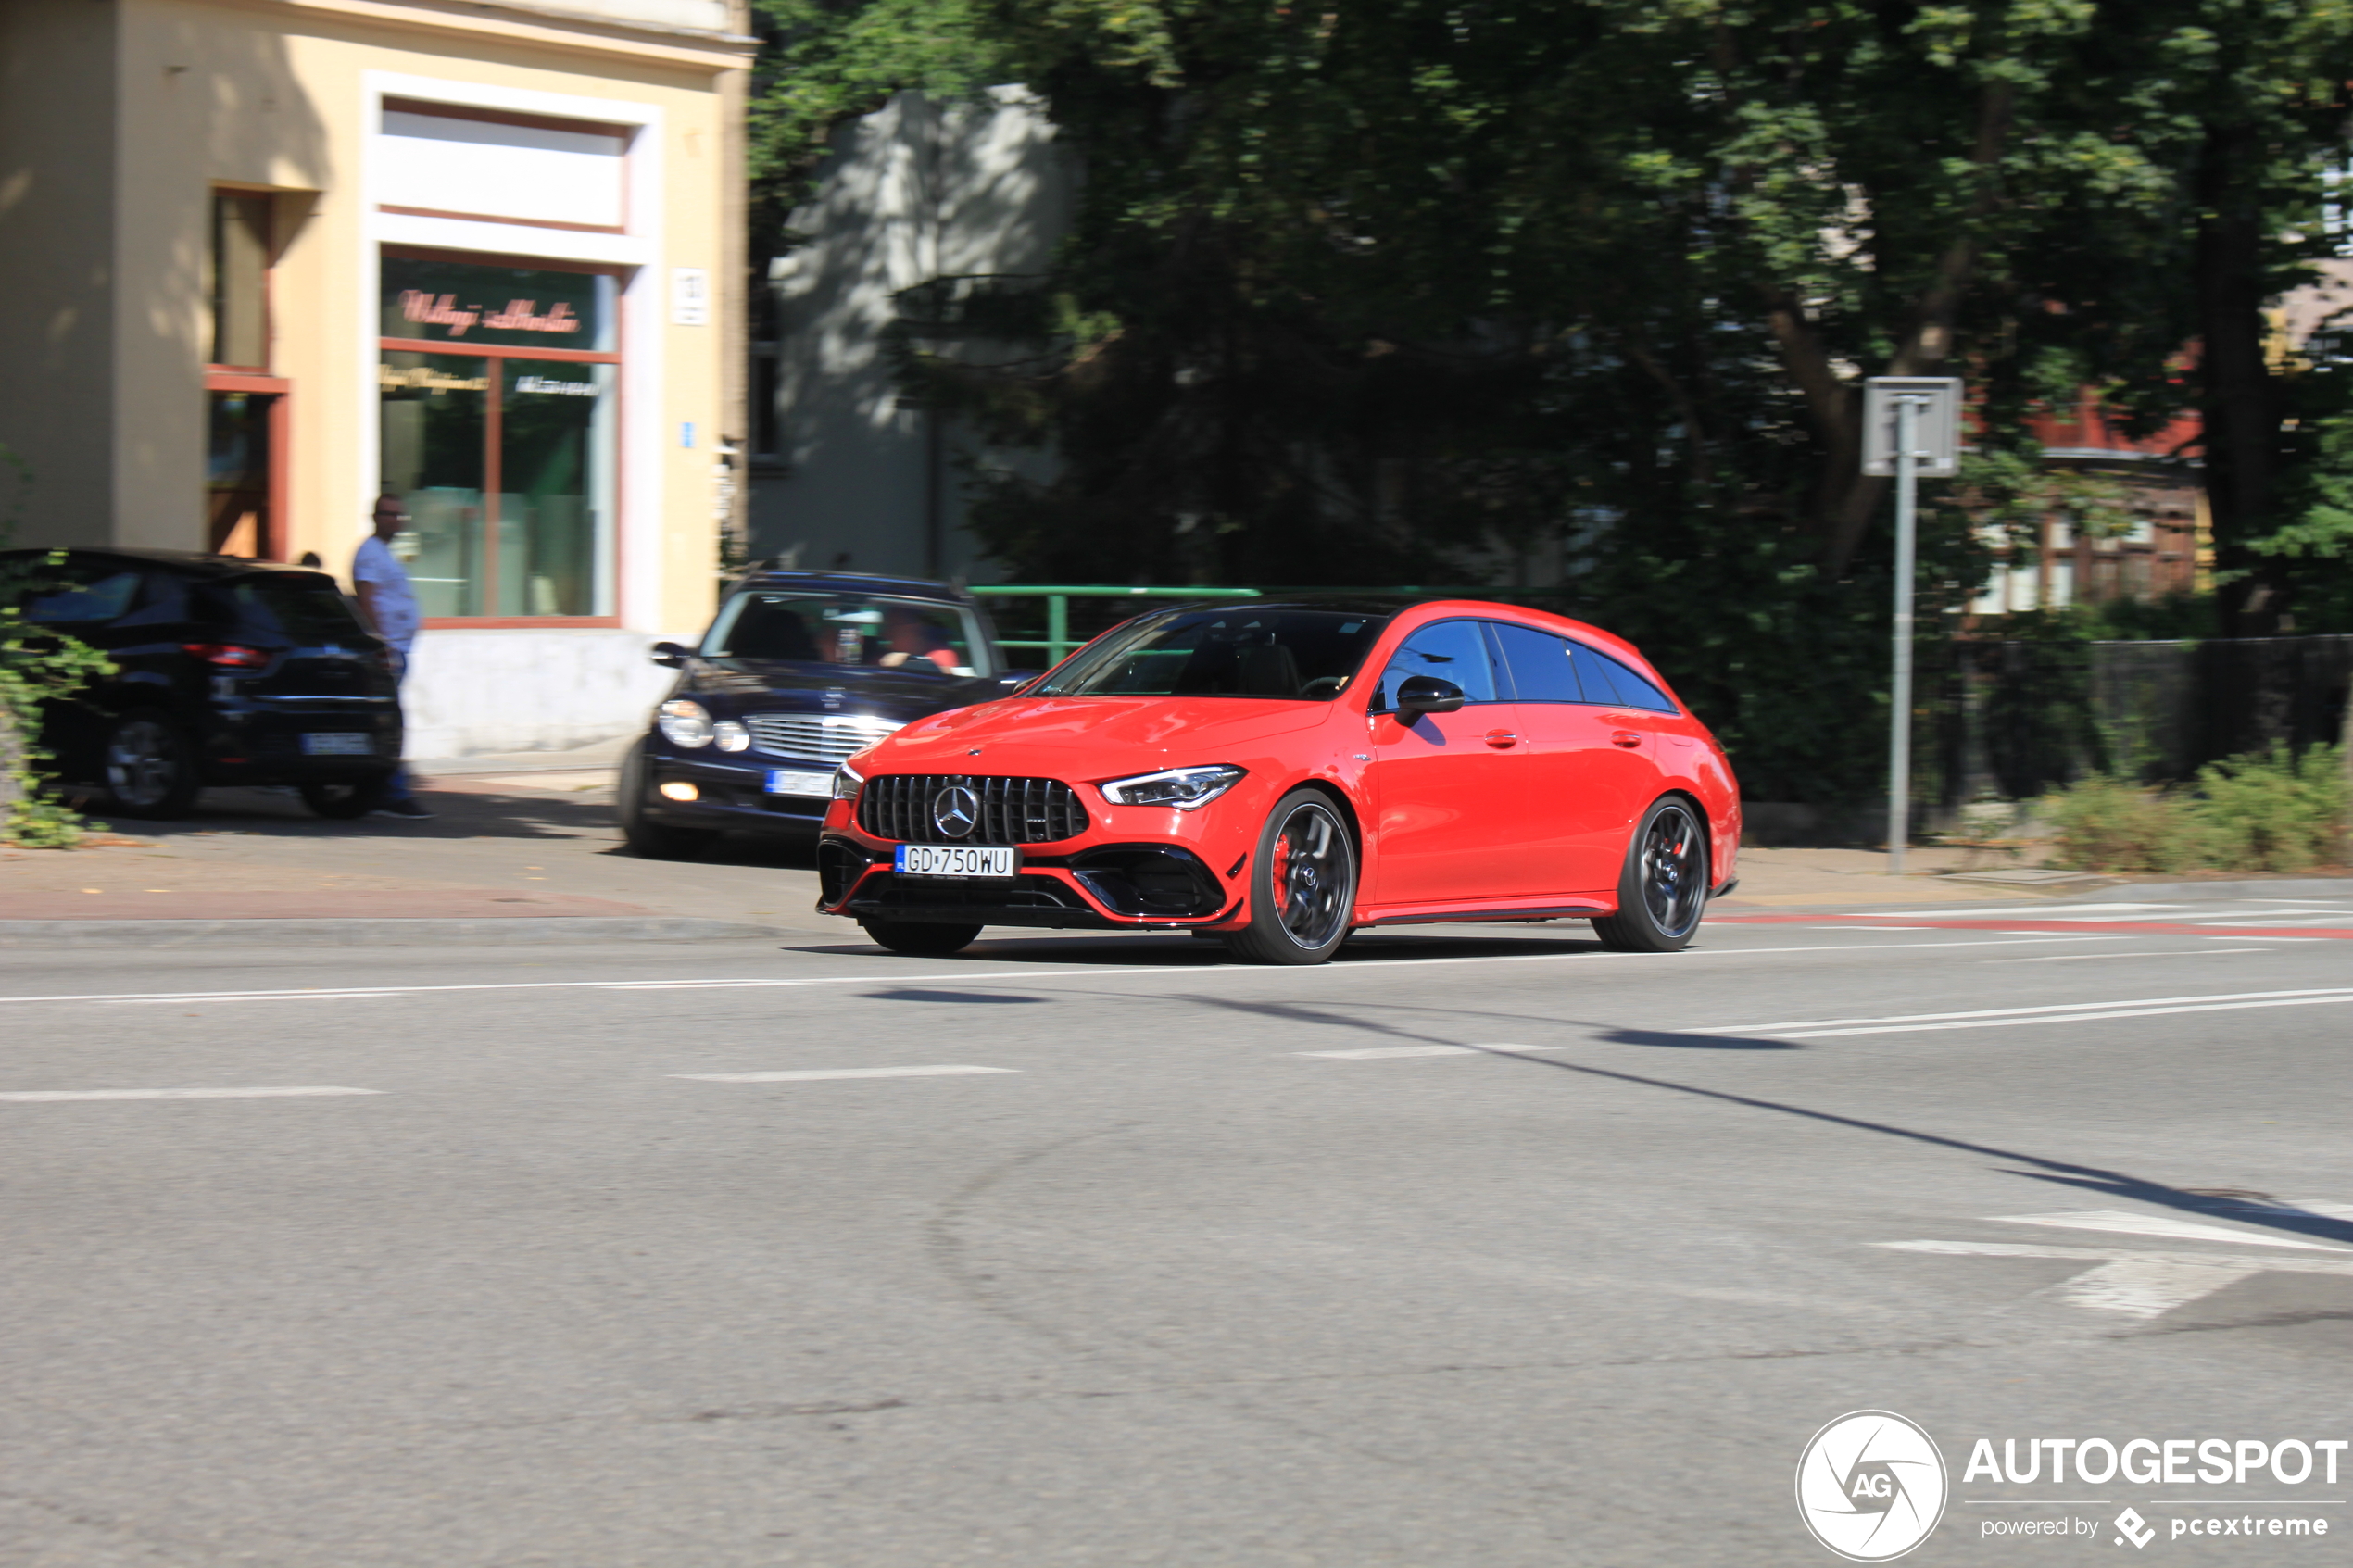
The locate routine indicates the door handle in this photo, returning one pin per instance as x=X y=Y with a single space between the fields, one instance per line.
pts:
x=1502 y=739
x=1625 y=737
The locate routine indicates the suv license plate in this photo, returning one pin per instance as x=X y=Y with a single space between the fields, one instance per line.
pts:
x=786 y=781
x=338 y=745
x=956 y=860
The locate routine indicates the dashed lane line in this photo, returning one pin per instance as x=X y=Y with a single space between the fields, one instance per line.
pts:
x=22 y=1096
x=1017 y=976
x=810 y=1074
x=2001 y=1018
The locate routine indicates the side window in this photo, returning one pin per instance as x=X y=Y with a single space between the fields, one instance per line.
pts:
x=1602 y=674
x=1539 y=662
x=1452 y=650
x=93 y=599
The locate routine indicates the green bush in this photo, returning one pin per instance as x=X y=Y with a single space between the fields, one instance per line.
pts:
x=2264 y=811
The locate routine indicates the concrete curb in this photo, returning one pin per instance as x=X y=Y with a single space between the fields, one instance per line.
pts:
x=265 y=934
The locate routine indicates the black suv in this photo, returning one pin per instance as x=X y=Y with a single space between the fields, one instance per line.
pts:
x=227 y=671
x=799 y=670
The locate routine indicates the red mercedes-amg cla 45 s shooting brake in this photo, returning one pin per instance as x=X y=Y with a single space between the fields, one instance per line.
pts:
x=1283 y=773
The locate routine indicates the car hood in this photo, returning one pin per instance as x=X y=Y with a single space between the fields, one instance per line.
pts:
x=758 y=686
x=1090 y=736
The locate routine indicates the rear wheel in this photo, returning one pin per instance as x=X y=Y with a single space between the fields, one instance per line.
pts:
x=341 y=802
x=1303 y=883
x=920 y=939
x=654 y=841
x=1663 y=890
x=150 y=767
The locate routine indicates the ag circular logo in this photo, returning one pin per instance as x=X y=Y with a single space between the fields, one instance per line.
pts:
x=955 y=811
x=1870 y=1485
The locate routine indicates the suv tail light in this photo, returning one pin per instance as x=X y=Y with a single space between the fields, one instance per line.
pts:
x=227 y=656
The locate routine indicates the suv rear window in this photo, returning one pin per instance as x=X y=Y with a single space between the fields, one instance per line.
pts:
x=304 y=610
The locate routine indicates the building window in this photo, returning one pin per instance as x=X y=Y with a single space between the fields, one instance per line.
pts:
x=237 y=286
x=499 y=397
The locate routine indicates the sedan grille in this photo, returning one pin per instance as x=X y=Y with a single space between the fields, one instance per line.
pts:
x=1004 y=811
x=816 y=737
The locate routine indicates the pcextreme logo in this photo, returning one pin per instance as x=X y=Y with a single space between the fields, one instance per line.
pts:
x=1870 y=1485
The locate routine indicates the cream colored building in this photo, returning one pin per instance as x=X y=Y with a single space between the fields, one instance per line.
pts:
x=263 y=260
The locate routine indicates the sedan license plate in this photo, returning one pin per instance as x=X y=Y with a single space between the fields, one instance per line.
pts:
x=338 y=745
x=787 y=781
x=969 y=863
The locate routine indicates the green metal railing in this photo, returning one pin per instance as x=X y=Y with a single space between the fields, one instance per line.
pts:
x=1058 y=643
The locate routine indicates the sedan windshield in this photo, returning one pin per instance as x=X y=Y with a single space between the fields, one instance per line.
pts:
x=1237 y=651
x=920 y=636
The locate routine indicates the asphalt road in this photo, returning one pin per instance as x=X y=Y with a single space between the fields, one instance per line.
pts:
x=1474 y=1248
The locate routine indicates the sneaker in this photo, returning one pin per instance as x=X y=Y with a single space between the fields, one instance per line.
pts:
x=407 y=809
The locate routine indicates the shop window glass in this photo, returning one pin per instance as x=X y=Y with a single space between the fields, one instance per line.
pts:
x=436 y=440
x=555 y=467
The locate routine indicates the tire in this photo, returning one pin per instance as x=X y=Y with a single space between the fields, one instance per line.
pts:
x=341 y=802
x=920 y=939
x=149 y=767
x=647 y=839
x=1663 y=890
x=1303 y=883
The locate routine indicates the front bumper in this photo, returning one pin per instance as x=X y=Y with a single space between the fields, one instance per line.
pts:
x=731 y=795
x=1099 y=881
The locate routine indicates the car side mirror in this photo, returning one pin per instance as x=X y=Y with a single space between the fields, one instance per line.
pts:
x=1013 y=678
x=1417 y=695
x=669 y=655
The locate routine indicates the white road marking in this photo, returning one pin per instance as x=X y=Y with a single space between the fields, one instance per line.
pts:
x=2148 y=1287
x=1998 y=1018
x=809 y=1074
x=1020 y=976
x=177 y=1094
x=2342 y=1267
x=1377 y=1053
x=2130 y=1224
x=2151 y=953
x=279 y=996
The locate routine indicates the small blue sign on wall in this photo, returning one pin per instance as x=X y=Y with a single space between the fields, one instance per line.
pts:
x=686 y=434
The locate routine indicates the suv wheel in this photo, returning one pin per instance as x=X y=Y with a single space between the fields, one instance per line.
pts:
x=150 y=767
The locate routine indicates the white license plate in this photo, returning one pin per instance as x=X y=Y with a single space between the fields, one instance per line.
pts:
x=786 y=781
x=956 y=860
x=338 y=745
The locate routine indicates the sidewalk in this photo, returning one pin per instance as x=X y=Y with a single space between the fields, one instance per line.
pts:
x=531 y=836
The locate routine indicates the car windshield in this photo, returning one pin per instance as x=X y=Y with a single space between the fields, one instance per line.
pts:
x=303 y=608
x=1239 y=651
x=919 y=636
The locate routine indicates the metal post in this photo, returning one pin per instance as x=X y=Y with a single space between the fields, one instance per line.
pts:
x=1899 y=734
x=1057 y=627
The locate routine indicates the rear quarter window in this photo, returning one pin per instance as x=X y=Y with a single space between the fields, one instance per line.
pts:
x=91 y=600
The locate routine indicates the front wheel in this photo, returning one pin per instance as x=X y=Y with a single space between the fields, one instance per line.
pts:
x=1664 y=887
x=647 y=838
x=920 y=939
x=1303 y=883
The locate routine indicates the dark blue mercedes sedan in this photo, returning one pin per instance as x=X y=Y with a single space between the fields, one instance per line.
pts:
x=799 y=670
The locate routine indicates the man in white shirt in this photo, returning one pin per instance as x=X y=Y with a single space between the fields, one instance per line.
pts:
x=391 y=606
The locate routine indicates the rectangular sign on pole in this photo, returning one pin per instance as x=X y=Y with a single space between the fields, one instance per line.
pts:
x=1936 y=435
x=1912 y=430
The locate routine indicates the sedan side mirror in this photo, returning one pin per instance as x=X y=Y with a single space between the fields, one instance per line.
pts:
x=669 y=655
x=1417 y=695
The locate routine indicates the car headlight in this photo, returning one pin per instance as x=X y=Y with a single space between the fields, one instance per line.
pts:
x=846 y=781
x=1185 y=788
x=730 y=735
x=684 y=723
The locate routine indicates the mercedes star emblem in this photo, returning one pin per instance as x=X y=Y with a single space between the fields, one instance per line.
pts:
x=955 y=811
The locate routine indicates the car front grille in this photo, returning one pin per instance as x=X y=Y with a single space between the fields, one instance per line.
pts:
x=816 y=737
x=1006 y=811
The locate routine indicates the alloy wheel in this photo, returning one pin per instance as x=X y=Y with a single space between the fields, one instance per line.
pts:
x=1674 y=880
x=1312 y=875
x=142 y=766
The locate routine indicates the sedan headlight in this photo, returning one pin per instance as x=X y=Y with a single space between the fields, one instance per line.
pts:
x=846 y=781
x=1185 y=788
x=731 y=735
x=684 y=723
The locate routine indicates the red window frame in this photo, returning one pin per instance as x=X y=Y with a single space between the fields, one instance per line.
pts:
x=493 y=430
